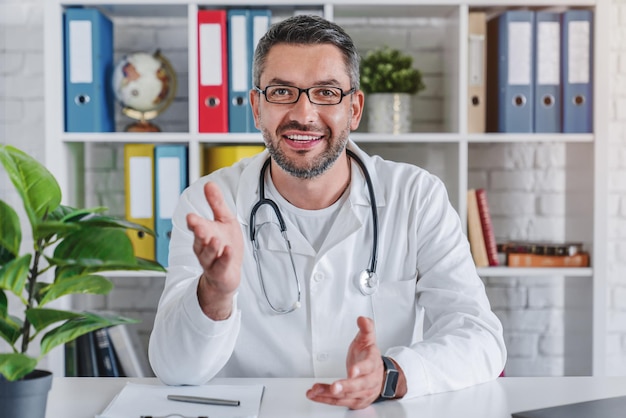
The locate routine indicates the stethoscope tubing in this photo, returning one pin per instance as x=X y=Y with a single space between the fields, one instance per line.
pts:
x=369 y=273
x=370 y=188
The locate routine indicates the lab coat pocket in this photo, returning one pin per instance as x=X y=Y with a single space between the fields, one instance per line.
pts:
x=395 y=315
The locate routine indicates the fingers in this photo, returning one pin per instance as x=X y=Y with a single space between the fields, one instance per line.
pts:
x=363 y=354
x=215 y=199
x=365 y=370
x=344 y=393
x=217 y=242
x=367 y=331
x=210 y=236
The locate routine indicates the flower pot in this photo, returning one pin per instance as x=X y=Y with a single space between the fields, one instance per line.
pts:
x=26 y=398
x=389 y=113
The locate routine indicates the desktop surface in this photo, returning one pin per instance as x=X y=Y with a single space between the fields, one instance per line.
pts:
x=83 y=397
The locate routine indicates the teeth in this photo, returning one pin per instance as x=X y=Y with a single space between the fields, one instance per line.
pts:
x=303 y=137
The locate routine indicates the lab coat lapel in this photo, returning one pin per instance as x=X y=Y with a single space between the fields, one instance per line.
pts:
x=248 y=188
x=357 y=212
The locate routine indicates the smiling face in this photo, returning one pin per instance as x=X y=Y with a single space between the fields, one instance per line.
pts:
x=305 y=139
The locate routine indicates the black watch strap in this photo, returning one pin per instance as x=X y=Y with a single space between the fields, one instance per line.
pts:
x=390 y=380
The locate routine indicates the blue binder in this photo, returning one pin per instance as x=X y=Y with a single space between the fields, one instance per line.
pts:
x=239 y=52
x=170 y=175
x=89 y=102
x=547 y=109
x=510 y=72
x=260 y=20
x=577 y=51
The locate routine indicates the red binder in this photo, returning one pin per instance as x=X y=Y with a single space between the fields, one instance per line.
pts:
x=212 y=71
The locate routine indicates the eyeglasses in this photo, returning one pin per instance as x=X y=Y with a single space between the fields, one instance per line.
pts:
x=319 y=95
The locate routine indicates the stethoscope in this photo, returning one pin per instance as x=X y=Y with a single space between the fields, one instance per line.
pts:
x=368 y=279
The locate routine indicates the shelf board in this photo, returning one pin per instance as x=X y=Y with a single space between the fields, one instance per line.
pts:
x=534 y=271
x=530 y=137
x=252 y=138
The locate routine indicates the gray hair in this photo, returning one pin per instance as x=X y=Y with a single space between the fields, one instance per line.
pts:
x=307 y=30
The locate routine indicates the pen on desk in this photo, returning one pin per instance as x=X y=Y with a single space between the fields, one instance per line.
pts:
x=207 y=401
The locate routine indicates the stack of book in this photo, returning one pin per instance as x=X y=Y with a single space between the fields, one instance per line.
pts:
x=544 y=254
x=480 y=229
x=520 y=253
x=108 y=352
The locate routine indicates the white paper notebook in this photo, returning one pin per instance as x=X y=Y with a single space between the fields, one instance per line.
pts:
x=135 y=400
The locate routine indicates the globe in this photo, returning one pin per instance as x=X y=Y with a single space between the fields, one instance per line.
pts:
x=145 y=85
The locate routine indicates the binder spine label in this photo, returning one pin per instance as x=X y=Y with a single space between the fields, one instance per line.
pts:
x=81 y=58
x=548 y=55
x=579 y=48
x=210 y=55
x=520 y=53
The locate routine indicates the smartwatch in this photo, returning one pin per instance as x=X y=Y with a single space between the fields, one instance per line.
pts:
x=391 y=380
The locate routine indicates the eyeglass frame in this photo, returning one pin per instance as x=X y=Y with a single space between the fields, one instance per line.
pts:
x=306 y=91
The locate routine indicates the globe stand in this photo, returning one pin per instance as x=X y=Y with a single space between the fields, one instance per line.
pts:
x=142 y=126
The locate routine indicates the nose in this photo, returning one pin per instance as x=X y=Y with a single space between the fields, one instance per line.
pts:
x=303 y=109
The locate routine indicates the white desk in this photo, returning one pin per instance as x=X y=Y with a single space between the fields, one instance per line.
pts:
x=285 y=398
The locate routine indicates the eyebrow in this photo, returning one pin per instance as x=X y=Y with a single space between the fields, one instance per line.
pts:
x=279 y=81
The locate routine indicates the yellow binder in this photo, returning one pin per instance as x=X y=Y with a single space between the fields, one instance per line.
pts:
x=226 y=155
x=139 y=189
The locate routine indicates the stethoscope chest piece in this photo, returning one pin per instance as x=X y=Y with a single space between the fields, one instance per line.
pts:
x=368 y=282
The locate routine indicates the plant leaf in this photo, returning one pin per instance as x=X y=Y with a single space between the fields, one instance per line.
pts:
x=92 y=250
x=14 y=366
x=10 y=330
x=47 y=229
x=93 y=284
x=10 y=233
x=100 y=245
x=37 y=187
x=40 y=318
x=13 y=274
x=69 y=214
x=76 y=327
x=386 y=70
x=4 y=304
x=151 y=265
x=108 y=221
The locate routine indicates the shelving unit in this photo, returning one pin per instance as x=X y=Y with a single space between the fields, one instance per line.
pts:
x=446 y=138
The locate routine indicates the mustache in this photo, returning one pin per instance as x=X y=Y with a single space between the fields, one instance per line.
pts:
x=300 y=127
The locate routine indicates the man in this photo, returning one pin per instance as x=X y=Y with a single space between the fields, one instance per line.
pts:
x=233 y=307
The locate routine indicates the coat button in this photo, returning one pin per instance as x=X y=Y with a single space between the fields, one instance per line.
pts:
x=318 y=277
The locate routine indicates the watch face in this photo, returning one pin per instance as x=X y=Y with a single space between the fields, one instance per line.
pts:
x=391 y=382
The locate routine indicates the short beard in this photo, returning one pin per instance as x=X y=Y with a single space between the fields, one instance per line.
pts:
x=317 y=167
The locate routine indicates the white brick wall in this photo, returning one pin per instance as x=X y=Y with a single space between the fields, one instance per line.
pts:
x=616 y=257
x=526 y=183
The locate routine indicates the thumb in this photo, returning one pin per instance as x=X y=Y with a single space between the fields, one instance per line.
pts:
x=367 y=331
x=215 y=199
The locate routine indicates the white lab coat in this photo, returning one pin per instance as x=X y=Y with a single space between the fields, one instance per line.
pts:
x=431 y=311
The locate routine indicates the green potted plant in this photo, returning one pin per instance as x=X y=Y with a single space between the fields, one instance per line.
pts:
x=389 y=80
x=70 y=247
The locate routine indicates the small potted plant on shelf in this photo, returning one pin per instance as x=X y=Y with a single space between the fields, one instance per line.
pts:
x=389 y=80
x=70 y=247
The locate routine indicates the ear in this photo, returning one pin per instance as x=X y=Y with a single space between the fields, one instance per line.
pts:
x=255 y=98
x=357 y=102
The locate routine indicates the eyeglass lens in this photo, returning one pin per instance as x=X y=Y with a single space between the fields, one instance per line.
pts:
x=324 y=95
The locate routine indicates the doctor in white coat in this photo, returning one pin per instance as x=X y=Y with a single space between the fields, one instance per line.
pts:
x=371 y=282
